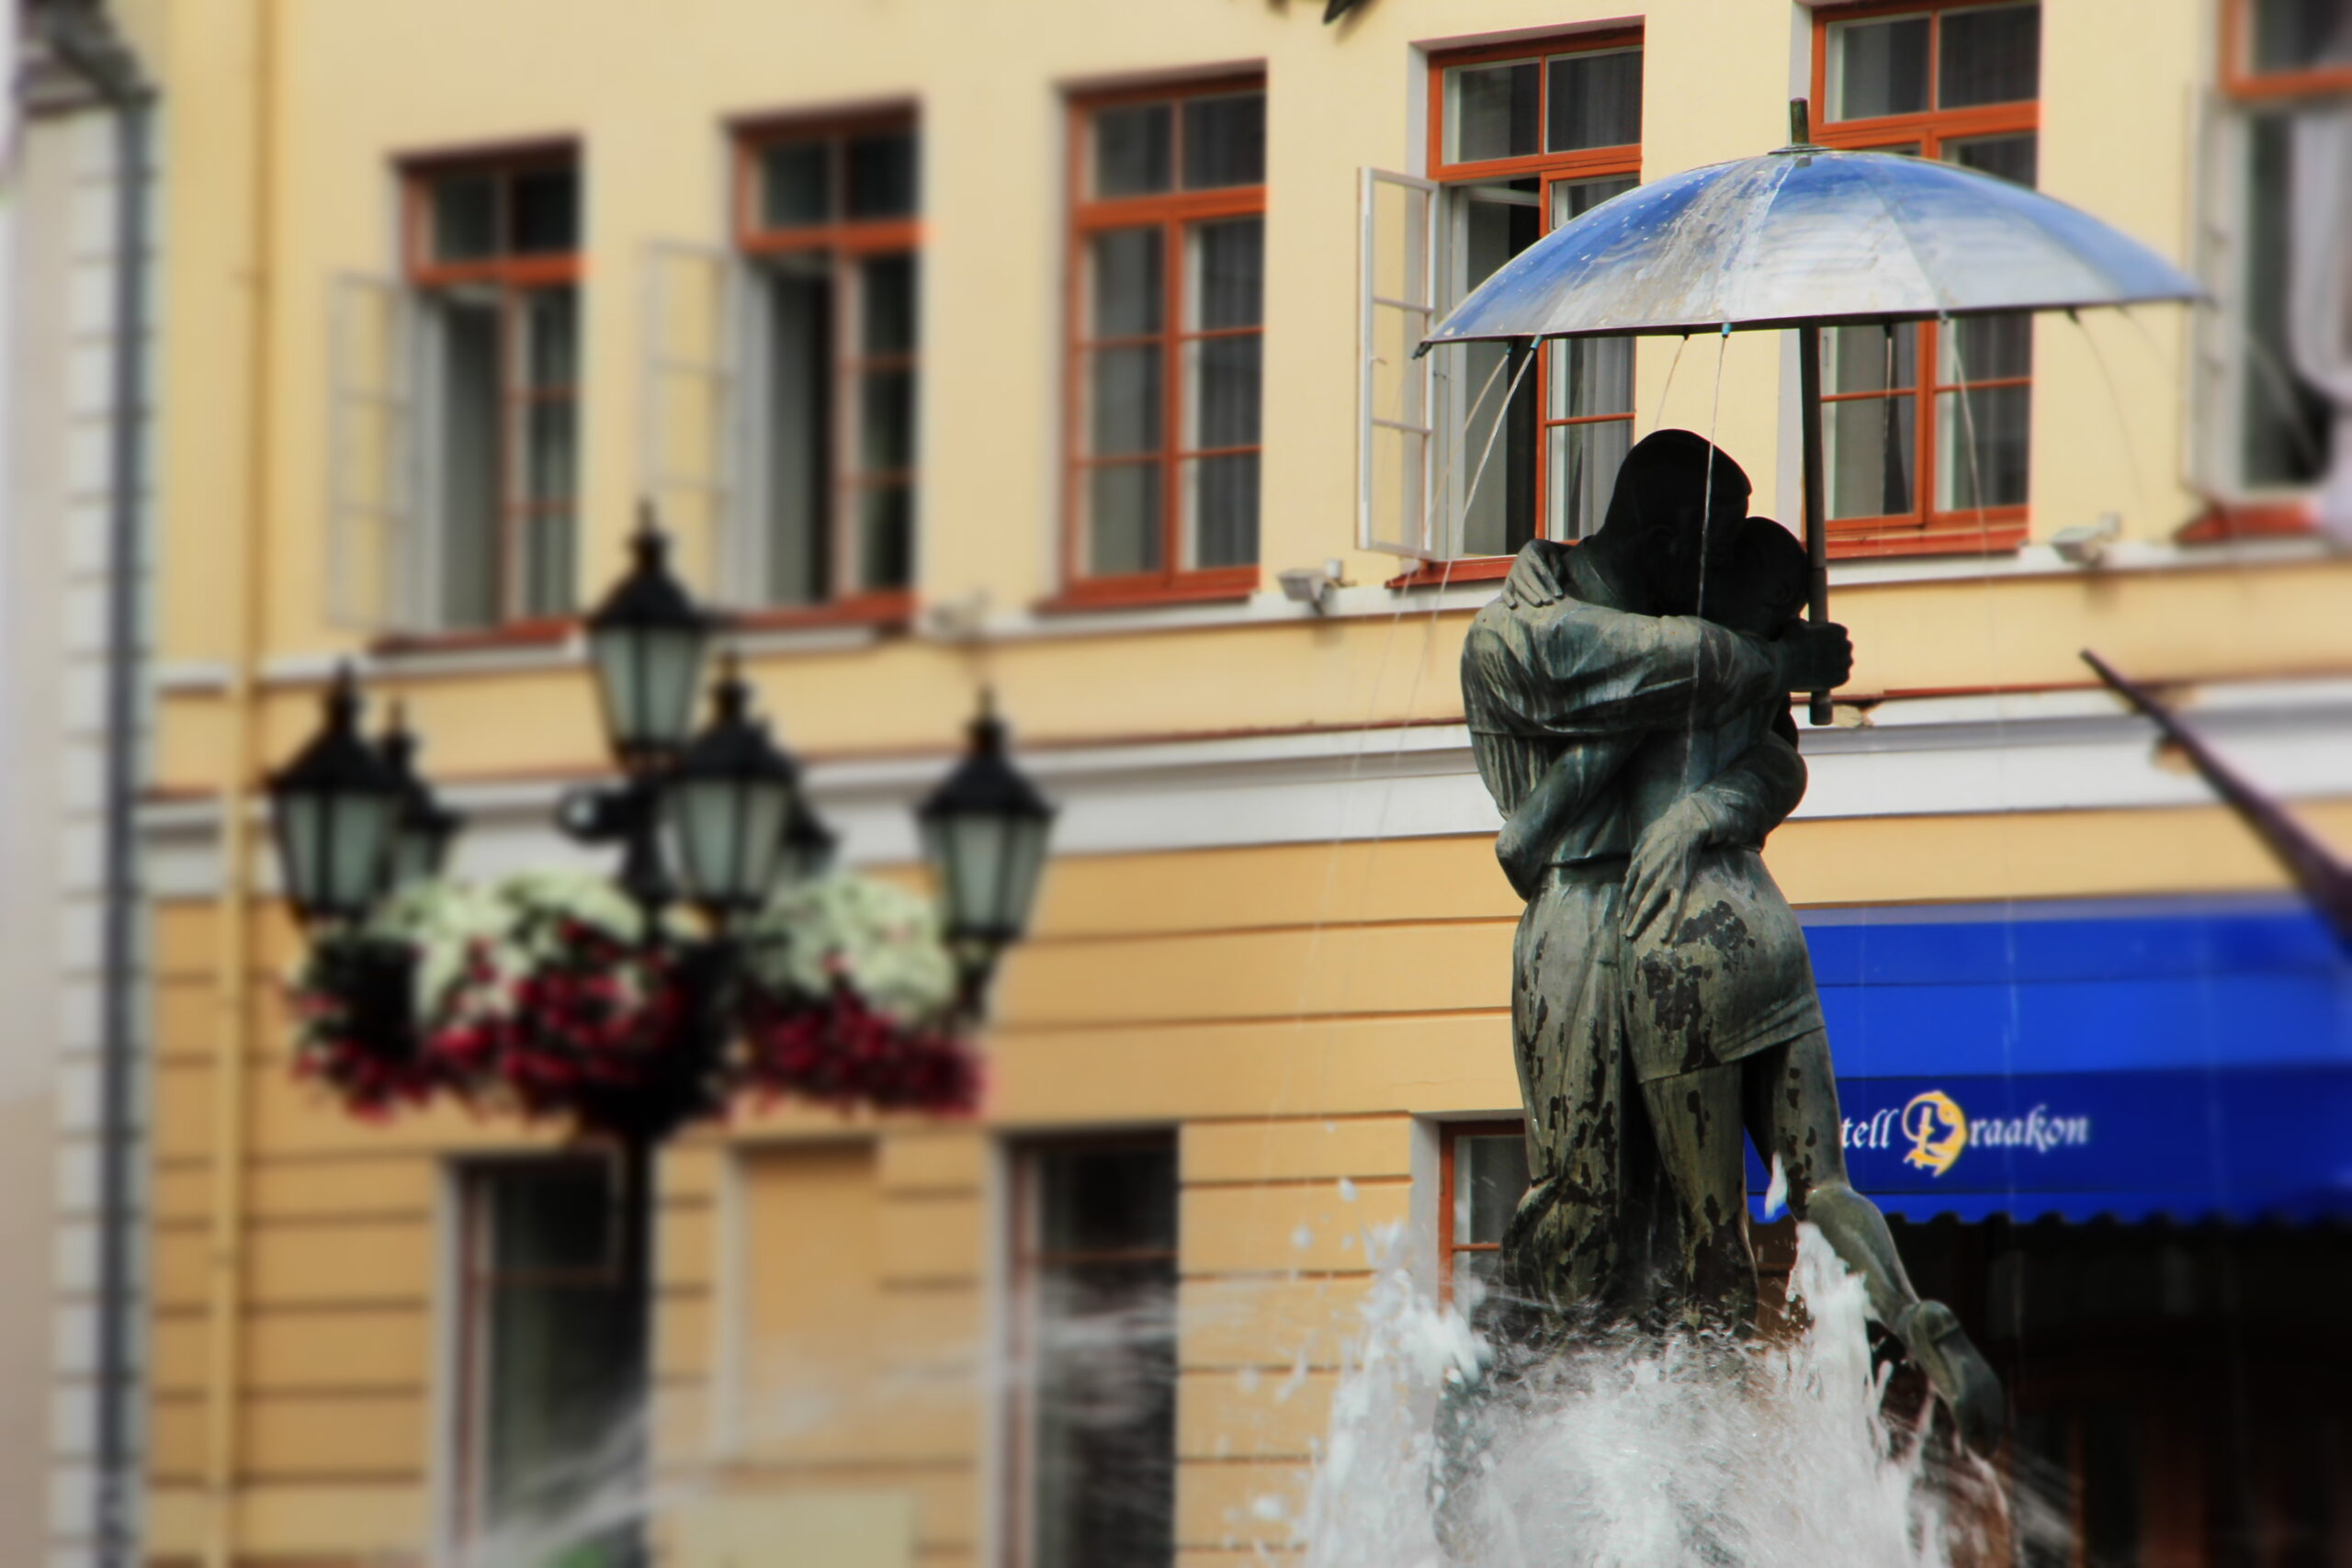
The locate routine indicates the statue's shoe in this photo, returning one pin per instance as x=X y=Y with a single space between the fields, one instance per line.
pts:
x=1933 y=1336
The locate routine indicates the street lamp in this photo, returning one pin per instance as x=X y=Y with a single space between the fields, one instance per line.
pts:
x=424 y=829
x=729 y=799
x=645 y=643
x=984 y=833
x=336 y=808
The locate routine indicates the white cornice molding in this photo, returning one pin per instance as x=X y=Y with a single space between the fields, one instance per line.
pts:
x=1936 y=756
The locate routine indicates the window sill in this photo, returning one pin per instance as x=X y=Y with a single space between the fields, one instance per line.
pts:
x=2224 y=521
x=1446 y=574
x=880 y=611
x=1993 y=537
x=549 y=632
x=1229 y=583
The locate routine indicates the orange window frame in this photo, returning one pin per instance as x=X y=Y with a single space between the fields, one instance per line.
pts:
x=1549 y=170
x=1924 y=530
x=847 y=241
x=2243 y=82
x=515 y=276
x=1450 y=1245
x=1029 y=1260
x=1172 y=213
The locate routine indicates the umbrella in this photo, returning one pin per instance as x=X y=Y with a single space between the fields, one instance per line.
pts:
x=1806 y=237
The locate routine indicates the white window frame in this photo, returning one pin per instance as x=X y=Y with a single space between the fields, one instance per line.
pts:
x=2225 y=361
x=1416 y=437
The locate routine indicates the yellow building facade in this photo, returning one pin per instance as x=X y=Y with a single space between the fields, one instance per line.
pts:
x=1273 y=943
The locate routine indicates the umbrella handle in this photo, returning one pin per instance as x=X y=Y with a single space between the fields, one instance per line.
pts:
x=1817 y=509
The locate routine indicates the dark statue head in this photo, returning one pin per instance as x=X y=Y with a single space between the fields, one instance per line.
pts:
x=1676 y=513
x=1765 y=588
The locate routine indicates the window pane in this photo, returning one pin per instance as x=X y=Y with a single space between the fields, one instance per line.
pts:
x=1474 y=1273
x=1495 y=505
x=2296 y=34
x=1999 y=418
x=887 y=422
x=555 y=1336
x=1494 y=112
x=1129 y=288
x=1592 y=376
x=1222 y=494
x=1123 y=519
x=1869 y=359
x=1572 y=200
x=546 y=564
x=796 y=184
x=2285 y=425
x=1224 y=141
x=547 y=212
x=1105 y=1417
x=1990 y=57
x=1125 y=388
x=1870 y=452
x=1224 y=377
x=882 y=175
x=465 y=217
x=1228 y=284
x=1131 y=146
x=1585 y=459
x=1490 y=1178
x=1106 y=1199
x=551 y=323
x=2013 y=158
x=886 y=285
x=800 y=473
x=472 y=406
x=885 y=537
x=1595 y=101
x=547 y=451
x=1878 y=68
x=1987 y=348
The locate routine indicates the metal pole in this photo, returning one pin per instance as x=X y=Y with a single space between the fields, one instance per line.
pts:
x=1816 y=507
x=634 y=1263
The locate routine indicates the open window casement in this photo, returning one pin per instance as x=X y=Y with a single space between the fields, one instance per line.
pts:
x=373 y=457
x=1397 y=277
x=690 y=410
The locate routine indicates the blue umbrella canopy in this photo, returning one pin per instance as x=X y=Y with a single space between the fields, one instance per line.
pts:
x=1805 y=236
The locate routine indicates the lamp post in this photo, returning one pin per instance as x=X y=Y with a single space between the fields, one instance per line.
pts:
x=722 y=806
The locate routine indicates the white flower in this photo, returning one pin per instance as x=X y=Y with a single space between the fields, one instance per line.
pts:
x=878 y=938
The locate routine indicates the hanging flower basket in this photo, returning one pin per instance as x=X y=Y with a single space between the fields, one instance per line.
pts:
x=540 y=994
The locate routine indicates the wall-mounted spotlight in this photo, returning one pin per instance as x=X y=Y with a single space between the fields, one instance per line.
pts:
x=1313 y=584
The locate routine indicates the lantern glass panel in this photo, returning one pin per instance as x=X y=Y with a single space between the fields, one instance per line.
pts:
x=302 y=841
x=359 y=831
x=1024 y=857
x=416 y=857
x=974 y=866
x=730 y=833
x=649 y=675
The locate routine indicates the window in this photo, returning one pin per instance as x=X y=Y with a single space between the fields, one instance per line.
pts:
x=1168 y=251
x=494 y=266
x=1927 y=427
x=828 y=215
x=1482 y=1177
x=544 y=1344
x=1524 y=140
x=1094 y=1267
x=2286 y=58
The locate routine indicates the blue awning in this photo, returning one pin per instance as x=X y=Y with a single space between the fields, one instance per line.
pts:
x=2156 y=1058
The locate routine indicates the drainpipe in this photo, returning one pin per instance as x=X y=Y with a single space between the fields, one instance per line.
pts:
x=83 y=37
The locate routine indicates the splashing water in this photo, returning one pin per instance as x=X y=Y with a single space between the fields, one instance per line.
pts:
x=1634 y=1453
